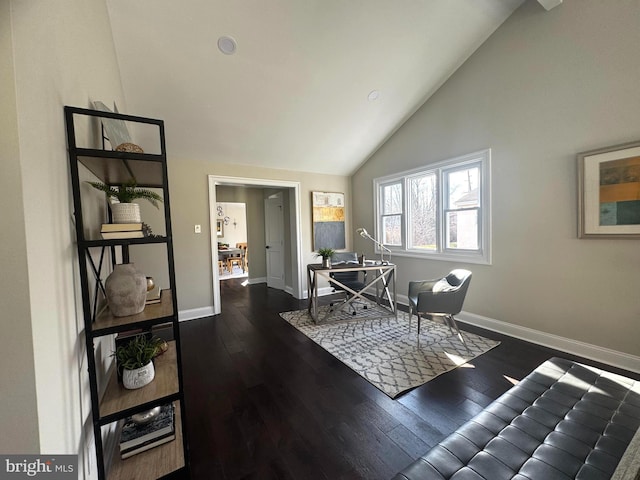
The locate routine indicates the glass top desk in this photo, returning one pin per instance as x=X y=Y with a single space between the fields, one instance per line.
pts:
x=380 y=277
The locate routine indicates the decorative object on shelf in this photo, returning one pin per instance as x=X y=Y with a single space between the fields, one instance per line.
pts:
x=328 y=219
x=608 y=192
x=145 y=417
x=126 y=290
x=326 y=254
x=138 y=377
x=111 y=231
x=129 y=148
x=135 y=359
x=162 y=347
x=150 y=284
x=138 y=437
x=154 y=295
x=115 y=129
x=126 y=211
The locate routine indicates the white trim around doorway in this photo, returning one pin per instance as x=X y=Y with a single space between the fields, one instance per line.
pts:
x=298 y=274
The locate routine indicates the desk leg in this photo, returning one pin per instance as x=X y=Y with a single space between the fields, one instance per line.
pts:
x=309 y=293
x=387 y=277
x=395 y=298
x=312 y=295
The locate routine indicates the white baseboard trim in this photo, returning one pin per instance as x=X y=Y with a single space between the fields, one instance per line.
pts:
x=321 y=292
x=192 y=314
x=575 y=347
x=587 y=350
x=253 y=281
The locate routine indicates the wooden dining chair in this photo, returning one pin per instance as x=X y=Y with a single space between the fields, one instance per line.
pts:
x=244 y=255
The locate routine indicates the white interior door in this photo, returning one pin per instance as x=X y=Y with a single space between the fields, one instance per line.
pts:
x=274 y=240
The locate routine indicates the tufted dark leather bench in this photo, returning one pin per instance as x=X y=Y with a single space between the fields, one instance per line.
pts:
x=563 y=421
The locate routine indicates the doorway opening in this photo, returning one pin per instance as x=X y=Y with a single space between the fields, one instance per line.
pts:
x=231 y=235
x=256 y=232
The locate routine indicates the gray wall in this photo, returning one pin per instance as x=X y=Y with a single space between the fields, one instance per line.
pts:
x=59 y=56
x=544 y=87
x=17 y=375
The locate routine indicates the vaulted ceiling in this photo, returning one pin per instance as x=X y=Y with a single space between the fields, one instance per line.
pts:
x=313 y=85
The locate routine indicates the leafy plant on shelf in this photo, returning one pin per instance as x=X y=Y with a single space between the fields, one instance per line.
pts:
x=138 y=352
x=325 y=252
x=128 y=192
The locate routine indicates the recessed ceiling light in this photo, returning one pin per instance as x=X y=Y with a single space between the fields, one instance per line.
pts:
x=227 y=45
x=373 y=95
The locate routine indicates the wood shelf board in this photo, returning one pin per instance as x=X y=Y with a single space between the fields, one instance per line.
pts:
x=101 y=242
x=154 y=463
x=111 y=167
x=107 y=321
x=117 y=398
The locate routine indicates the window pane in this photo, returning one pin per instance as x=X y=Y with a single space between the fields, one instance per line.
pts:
x=462 y=229
x=392 y=199
x=391 y=230
x=463 y=189
x=423 y=212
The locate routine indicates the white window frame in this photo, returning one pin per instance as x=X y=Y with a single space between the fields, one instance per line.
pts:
x=481 y=256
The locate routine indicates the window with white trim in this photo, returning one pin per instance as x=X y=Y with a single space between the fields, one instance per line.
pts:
x=440 y=211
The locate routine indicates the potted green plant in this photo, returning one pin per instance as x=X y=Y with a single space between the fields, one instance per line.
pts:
x=135 y=360
x=126 y=211
x=326 y=254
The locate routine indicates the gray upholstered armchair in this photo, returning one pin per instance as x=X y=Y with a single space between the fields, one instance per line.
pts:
x=442 y=297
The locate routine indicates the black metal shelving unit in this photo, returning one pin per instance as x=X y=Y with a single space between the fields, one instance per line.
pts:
x=115 y=403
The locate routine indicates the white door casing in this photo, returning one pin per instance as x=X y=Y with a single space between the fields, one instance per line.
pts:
x=298 y=271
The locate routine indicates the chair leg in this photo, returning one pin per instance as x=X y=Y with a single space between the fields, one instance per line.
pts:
x=418 y=315
x=453 y=322
x=410 y=317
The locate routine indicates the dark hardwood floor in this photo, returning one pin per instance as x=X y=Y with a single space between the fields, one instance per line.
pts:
x=265 y=402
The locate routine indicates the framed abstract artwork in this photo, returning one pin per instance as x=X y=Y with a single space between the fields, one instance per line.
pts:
x=609 y=192
x=328 y=220
x=116 y=130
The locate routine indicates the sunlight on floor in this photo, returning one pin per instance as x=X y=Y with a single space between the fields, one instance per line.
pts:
x=459 y=361
x=513 y=381
x=245 y=283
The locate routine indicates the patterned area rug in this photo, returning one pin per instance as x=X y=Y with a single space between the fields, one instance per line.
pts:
x=386 y=352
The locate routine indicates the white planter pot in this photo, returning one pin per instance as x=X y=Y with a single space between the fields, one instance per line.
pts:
x=138 y=378
x=125 y=213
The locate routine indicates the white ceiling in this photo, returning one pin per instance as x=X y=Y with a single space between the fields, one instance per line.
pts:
x=294 y=95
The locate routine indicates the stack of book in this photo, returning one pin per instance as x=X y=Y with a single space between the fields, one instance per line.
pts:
x=154 y=296
x=136 y=438
x=122 y=230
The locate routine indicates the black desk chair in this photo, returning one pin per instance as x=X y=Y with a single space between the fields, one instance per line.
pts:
x=348 y=279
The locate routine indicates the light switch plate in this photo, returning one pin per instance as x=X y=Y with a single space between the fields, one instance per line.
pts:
x=197 y=229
